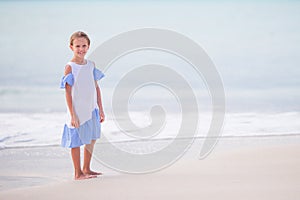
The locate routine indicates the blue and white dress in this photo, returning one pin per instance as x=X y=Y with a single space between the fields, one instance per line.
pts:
x=84 y=99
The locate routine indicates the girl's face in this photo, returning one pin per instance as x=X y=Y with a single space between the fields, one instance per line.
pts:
x=80 y=47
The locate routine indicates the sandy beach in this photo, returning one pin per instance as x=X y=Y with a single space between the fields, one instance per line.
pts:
x=243 y=172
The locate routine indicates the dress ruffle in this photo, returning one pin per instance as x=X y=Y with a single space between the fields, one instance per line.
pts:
x=69 y=78
x=97 y=74
x=90 y=130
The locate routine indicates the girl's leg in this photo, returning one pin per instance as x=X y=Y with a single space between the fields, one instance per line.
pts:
x=88 y=151
x=76 y=162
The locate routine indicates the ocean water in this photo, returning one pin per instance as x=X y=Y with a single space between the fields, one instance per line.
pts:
x=44 y=129
x=255 y=46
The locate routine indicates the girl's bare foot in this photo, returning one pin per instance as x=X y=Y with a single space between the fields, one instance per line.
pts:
x=92 y=173
x=84 y=176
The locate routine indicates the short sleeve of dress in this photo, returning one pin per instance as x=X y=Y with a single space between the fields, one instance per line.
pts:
x=97 y=74
x=67 y=79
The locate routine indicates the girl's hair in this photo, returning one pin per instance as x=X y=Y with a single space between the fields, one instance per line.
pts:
x=79 y=34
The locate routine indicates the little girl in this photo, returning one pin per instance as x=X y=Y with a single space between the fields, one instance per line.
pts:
x=83 y=98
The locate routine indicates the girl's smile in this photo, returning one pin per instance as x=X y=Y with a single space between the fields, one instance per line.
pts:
x=80 y=47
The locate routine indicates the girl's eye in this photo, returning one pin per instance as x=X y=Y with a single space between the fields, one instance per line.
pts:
x=77 y=46
x=84 y=45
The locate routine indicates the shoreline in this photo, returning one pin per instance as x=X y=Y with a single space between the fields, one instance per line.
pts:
x=226 y=137
x=257 y=172
x=46 y=169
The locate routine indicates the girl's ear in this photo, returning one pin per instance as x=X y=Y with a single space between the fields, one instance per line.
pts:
x=71 y=47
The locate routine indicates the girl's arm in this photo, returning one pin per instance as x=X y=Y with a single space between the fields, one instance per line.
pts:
x=74 y=118
x=99 y=102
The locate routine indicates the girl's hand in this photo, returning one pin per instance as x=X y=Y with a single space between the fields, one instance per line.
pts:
x=102 y=117
x=75 y=121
